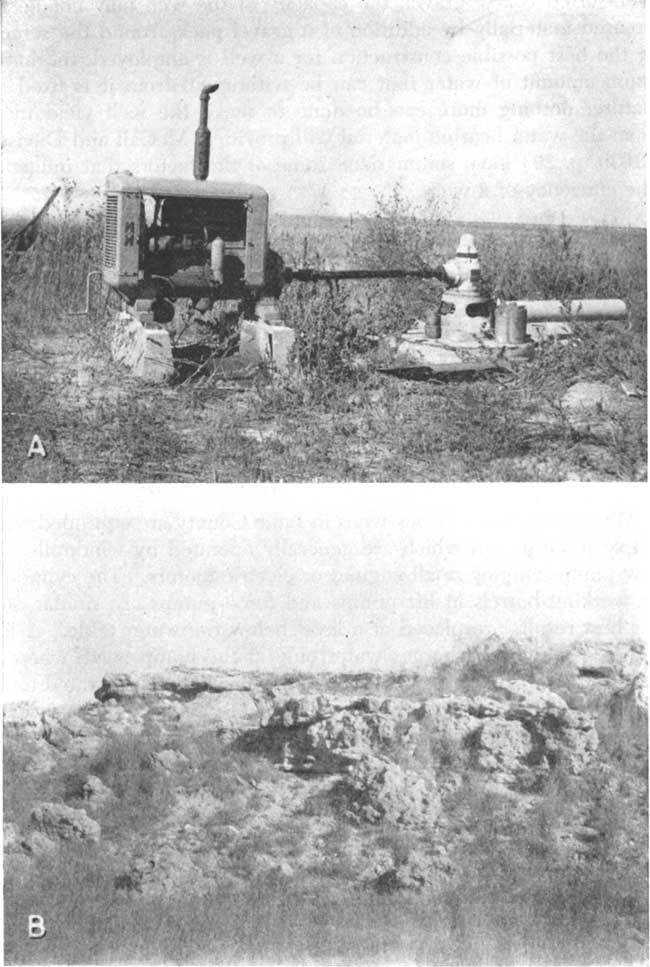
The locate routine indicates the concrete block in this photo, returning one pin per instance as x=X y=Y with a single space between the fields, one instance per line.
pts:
x=268 y=344
x=282 y=341
x=254 y=342
x=147 y=352
x=157 y=363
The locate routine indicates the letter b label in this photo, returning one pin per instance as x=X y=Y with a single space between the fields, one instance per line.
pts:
x=36 y=926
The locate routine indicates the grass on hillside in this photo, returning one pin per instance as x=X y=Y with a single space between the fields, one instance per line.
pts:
x=514 y=898
x=339 y=419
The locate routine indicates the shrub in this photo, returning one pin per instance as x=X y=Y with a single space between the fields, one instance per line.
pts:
x=481 y=664
x=327 y=335
x=337 y=322
x=143 y=792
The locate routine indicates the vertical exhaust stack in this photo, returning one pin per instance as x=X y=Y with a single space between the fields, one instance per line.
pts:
x=202 y=136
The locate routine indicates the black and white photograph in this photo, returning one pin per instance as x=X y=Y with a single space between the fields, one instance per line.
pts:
x=294 y=733
x=353 y=240
x=324 y=488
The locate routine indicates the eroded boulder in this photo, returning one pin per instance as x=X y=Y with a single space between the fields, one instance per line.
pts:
x=536 y=698
x=96 y=794
x=327 y=734
x=418 y=870
x=381 y=790
x=37 y=843
x=58 y=821
x=517 y=738
x=118 y=686
x=503 y=748
x=302 y=710
x=606 y=663
x=70 y=733
x=171 y=759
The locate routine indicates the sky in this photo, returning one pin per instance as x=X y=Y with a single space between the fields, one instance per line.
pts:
x=137 y=578
x=483 y=109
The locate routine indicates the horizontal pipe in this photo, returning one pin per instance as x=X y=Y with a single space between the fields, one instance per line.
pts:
x=588 y=310
x=324 y=275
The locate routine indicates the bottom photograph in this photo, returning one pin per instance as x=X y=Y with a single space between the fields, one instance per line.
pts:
x=332 y=729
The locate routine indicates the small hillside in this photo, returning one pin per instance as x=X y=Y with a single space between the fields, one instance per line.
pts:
x=492 y=810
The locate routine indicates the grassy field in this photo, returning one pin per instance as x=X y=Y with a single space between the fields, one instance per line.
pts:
x=340 y=419
x=521 y=919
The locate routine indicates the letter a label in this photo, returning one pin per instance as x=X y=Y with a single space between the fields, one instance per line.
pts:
x=36 y=447
x=36 y=926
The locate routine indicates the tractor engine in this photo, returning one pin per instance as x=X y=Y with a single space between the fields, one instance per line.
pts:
x=202 y=242
x=169 y=239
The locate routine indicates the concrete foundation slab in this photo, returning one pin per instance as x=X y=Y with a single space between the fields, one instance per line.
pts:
x=424 y=354
x=416 y=349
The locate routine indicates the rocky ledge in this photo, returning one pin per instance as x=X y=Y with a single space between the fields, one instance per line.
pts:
x=200 y=776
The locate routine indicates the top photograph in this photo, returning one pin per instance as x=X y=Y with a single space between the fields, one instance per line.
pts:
x=342 y=241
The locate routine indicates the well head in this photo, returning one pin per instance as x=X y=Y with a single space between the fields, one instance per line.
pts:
x=466 y=246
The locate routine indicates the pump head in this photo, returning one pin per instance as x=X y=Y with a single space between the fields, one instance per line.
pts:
x=464 y=270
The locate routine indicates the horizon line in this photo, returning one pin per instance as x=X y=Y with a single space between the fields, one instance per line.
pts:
x=7 y=215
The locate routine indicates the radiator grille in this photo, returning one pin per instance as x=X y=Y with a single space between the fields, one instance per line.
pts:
x=110 y=232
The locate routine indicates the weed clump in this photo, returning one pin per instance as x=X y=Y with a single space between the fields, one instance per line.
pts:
x=143 y=792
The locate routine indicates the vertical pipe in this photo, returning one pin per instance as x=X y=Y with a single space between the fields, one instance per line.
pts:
x=517 y=324
x=216 y=259
x=202 y=136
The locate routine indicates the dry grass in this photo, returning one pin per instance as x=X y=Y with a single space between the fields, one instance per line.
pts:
x=531 y=922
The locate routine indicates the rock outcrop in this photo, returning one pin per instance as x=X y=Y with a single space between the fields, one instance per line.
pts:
x=384 y=791
x=179 y=682
x=57 y=821
x=235 y=710
x=514 y=739
x=340 y=768
x=611 y=665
